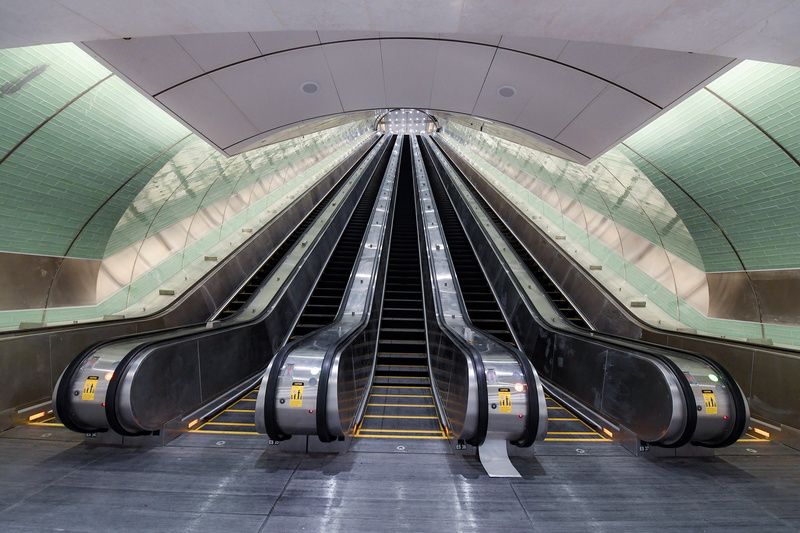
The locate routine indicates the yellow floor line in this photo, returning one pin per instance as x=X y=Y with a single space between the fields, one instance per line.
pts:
x=46 y=424
x=220 y=432
x=431 y=437
x=401 y=387
x=572 y=433
x=401 y=395
x=239 y=411
x=401 y=430
x=230 y=424
x=559 y=407
x=567 y=439
x=245 y=400
x=402 y=417
x=400 y=377
x=428 y=406
x=557 y=419
x=752 y=440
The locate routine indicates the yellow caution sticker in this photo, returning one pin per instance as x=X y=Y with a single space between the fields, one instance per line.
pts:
x=710 y=402
x=89 y=388
x=296 y=397
x=505 y=399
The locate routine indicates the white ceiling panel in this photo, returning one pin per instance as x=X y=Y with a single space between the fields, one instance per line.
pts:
x=555 y=96
x=612 y=115
x=327 y=15
x=332 y=36
x=414 y=15
x=52 y=21
x=358 y=73
x=214 y=50
x=408 y=69
x=745 y=29
x=268 y=90
x=269 y=42
x=492 y=39
x=659 y=75
x=153 y=63
x=177 y=17
x=209 y=111
x=703 y=26
x=428 y=71
x=460 y=71
x=549 y=48
x=776 y=37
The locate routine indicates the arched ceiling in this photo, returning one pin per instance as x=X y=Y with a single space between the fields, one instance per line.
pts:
x=745 y=29
x=577 y=98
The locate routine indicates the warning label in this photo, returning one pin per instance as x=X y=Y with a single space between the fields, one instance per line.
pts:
x=504 y=395
x=89 y=388
x=710 y=402
x=296 y=396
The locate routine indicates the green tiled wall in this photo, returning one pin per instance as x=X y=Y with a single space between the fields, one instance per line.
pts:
x=743 y=180
x=89 y=167
x=714 y=181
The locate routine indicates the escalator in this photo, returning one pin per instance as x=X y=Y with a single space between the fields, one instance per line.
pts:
x=326 y=299
x=400 y=403
x=148 y=380
x=238 y=416
x=664 y=397
x=564 y=425
x=246 y=291
x=560 y=301
x=402 y=359
x=56 y=346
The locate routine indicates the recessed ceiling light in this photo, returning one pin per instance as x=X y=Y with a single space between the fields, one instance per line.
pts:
x=309 y=87
x=506 y=91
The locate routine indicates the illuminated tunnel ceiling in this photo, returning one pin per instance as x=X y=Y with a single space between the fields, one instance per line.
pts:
x=576 y=98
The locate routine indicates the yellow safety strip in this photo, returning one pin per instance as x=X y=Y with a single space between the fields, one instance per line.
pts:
x=402 y=417
x=418 y=405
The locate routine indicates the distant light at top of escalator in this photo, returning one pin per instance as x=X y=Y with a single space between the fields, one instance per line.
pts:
x=713 y=377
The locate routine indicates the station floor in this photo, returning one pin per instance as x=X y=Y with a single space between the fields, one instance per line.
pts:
x=53 y=481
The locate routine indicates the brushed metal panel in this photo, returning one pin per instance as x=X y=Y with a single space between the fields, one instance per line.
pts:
x=25 y=280
x=776 y=388
x=778 y=295
x=731 y=296
x=75 y=283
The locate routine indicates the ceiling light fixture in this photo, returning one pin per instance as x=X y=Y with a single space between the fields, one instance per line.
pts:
x=506 y=91
x=309 y=87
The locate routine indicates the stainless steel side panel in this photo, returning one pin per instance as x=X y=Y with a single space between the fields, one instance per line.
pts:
x=502 y=372
x=349 y=341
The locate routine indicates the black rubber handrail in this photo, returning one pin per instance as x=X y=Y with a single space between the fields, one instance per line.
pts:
x=477 y=361
x=271 y=424
x=530 y=431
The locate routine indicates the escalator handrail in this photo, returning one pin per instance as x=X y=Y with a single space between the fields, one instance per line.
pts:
x=680 y=377
x=468 y=351
x=199 y=331
x=739 y=400
x=323 y=430
x=271 y=386
x=529 y=435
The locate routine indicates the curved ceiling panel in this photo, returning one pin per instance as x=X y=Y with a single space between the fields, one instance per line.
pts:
x=746 y=29
x=235 y=89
